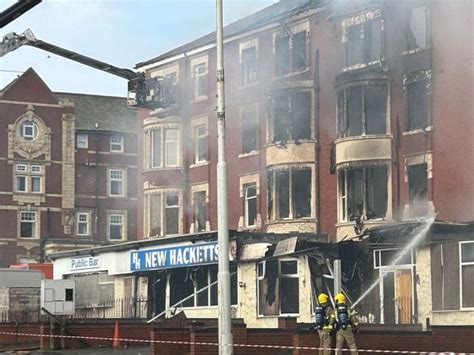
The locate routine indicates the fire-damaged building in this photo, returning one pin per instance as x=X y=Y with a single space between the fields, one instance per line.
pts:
x=348 y=129
x=68 y=167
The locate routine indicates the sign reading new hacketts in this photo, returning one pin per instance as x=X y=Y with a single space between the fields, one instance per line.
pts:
x=173 y=257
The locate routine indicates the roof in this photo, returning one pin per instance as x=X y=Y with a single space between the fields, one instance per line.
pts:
x=276 y=12
x=110 y=112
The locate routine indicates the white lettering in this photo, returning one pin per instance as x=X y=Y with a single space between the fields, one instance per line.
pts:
x=172 y=256
x=186 y=255
x=179 y=258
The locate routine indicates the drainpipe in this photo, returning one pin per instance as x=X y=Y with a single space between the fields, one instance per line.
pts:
x=318 y=147
x=43 y=240
x=97 y=230
x=397 y=162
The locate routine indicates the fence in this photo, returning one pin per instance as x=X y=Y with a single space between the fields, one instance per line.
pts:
x=397 y=310
x=20 y=315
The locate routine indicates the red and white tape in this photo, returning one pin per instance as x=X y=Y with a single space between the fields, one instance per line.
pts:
x=262 y=346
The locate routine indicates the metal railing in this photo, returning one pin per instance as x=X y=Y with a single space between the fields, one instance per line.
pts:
x=128 y=308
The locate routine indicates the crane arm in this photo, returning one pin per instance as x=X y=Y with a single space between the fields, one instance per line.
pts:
x=12 y=41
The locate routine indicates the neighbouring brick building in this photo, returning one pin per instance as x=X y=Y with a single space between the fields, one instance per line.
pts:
x=341 y=116
x=67 y=170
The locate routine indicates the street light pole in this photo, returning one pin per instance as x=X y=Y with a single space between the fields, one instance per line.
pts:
x=225 y=331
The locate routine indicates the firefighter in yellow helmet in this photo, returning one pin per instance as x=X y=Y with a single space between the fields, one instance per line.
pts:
x=324 y=323
x=346 y=325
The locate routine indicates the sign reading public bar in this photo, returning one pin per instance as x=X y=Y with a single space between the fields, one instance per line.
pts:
x=174 y=257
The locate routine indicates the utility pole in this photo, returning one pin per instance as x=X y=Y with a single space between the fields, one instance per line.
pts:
x=225 y=330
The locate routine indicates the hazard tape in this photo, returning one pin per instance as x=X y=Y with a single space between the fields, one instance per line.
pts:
x=261 y=346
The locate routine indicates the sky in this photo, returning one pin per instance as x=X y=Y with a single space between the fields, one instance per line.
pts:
x=119 y=32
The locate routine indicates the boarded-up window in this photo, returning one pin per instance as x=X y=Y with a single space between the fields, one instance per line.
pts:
x=172 y=214
x=154 y=215
x=445 y=276
x=417 y=96
x=94 y=290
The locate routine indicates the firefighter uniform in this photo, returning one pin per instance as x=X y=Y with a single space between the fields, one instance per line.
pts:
x=324 y=323
x=346 y=324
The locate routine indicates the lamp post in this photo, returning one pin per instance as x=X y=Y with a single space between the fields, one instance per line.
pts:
x=225 y=331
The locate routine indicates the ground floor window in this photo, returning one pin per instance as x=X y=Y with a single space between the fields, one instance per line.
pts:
x=94 y=290
x=278 y=287
x=185 y=283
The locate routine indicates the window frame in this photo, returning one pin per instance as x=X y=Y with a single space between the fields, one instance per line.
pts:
x=408 y=28
x=292 y=67
x=123 y=224
x=162 y=213
x=246 y=187
x=461 y=265
x=34 y=133
x=34 y=222
x=247 y=124
x=119 y=144
x=28 y=172
x=87 y=222
x=163 y=147
x=196 y=209
x=200 y=76
x=246 y=67
x=197 y=139
x=82 y=141
x=122 y=180
x=411 y=79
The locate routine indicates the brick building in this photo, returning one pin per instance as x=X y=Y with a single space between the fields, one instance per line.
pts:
x=341 y=117
x=67 y=170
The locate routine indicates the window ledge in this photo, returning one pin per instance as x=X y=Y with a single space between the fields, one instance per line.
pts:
x=418 y=131
x=163 y=169
x=363 y=136
x=291 y=220
x=292 y=142
x=34 y=239
x=197 y=165
x=250 y=154
x=358 y=66
x=198 y=99
x=417 y=50
x=293 y=73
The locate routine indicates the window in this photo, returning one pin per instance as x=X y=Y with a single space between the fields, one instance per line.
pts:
x=249 y=122
x=116 y=227
x=162 y=214
x=28 y=181
x=417 y=102
x=164 y=147
x=185 y=282
x=418 y=189
x=250 y=194
x=28 y=225
x=290 y=53
x=417 y=34
x=291 y=115
x=467 y=274
x=69 y=294
x=278 y=287
x=289 y=193
x=94 y=290
x=82 y=141
x=83 y=224
x=200 y=144
x=200 y=211
x=363 y=193
x=249 y=65
x=362 y=110
x=200 y=81
x=363 y=42
x=116 y=144
x=116 y=182
x=29 y=130
x=169 y=88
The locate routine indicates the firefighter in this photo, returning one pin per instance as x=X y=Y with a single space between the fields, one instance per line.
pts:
x=346 y=325
x=324 y=323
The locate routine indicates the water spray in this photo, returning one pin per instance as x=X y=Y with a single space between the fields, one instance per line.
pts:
x=418 y=237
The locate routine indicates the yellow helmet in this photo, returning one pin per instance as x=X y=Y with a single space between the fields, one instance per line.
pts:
x=340 y=298
x=323 y=298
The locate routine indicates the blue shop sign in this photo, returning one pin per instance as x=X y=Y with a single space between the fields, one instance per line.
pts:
x=174 y=257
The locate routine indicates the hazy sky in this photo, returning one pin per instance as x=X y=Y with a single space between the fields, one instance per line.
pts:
x=119 y=32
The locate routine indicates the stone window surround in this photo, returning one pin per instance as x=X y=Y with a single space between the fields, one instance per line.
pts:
x=89 y=222
x=246 y=45
x=37 y=227
x=163 y=192
x=204 y=59
x=255 y=108
x=119 y=143
x=166 y=70
x=124 y=181
x=124 y=214
x=28 y=174
x=198 y=121
x=151 y=124
x=244 y=180
x=199 y=187
x=416 y=159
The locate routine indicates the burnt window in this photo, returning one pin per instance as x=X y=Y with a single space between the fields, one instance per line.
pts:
x=249 y=65
x=291 y=114
x=200 y=143
x=363 y=193
x=290 y=53
x=289 y=193
x=249 y=122
x=417 y=34
x=278 y=287
x=250 y=195
x=362 y=110
x=162 y=212
x=199 y=286
x=467 y=274
x=200 y=211
x=364 y=42
x=418 y=189
x=417 y=102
